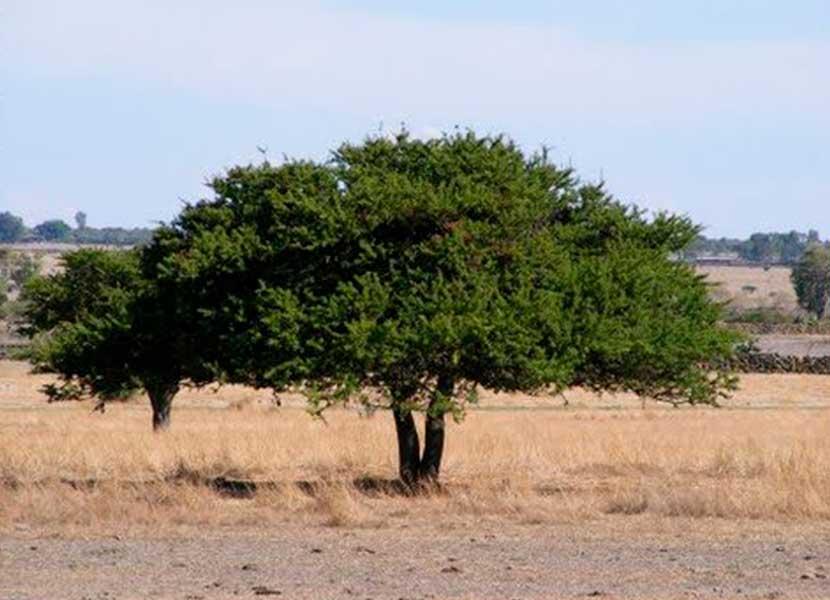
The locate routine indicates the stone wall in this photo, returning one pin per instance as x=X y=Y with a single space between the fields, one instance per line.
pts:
x=770 y=362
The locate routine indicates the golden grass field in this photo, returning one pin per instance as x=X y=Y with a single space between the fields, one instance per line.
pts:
x=765 y=456
x=753 y=287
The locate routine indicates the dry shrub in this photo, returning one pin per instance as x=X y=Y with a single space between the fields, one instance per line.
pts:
x=339 y=505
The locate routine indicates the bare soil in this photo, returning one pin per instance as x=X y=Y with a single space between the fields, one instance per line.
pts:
x=479 y=561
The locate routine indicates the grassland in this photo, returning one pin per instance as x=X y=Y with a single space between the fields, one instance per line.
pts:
x=749 y=288
x=766 y=456
x=243 y=498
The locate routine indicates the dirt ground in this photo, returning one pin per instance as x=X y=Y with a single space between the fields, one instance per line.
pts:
x=479 y=561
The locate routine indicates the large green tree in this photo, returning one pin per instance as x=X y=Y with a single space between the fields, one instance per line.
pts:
x=811 y=279
x=11 y=227
x=54 y=230
x=109 y=331
x=403 y=274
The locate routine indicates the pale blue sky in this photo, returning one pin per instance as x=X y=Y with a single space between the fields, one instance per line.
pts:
x=717 y=109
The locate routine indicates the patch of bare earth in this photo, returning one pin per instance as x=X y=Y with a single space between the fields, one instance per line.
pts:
x=421 y=560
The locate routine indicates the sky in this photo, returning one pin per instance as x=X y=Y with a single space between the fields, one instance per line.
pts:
x=715 y=109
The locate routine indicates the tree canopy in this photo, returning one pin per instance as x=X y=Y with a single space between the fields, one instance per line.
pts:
x=811 y=279
x=54 y=230
x=108 y=331
x=403 y=274
x=12 y=228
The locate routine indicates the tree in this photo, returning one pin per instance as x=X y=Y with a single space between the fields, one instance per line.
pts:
x=11 y=227
x=53 y=231
x=109 y=331
x=80 y=219
x=403 y=274
x=811 y=279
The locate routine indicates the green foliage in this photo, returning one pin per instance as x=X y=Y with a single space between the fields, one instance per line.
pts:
x=112 y=236
x=11 y=228
x=766 y=248
x=106 y=329
x=22 y=268
x=403 y=262
x=53 y=230
x=63 y=392
x=15 y=269
x=4 y=294
x=80 y=219
x=80 y=322
x=776 y=247
x=811 y=279
x=760 y=315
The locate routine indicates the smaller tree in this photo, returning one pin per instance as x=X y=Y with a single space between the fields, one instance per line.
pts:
x=811 y=279
x=80 y=219
x=109 y=331
x=54 y=230
x=11 y=227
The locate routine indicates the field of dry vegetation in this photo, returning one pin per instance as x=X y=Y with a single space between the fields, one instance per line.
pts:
x=234 y=458
x=754 y=287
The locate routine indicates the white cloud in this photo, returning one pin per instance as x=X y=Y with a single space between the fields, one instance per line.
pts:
x=287 y=54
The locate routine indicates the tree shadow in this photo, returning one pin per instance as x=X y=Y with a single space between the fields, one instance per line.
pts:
x=241 y=488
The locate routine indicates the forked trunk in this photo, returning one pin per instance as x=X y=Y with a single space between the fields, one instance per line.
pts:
x=161 y=399
x=416 y=469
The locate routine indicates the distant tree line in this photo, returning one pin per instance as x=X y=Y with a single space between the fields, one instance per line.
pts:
x=14 y=230
x=766 y=248
x=780 y=248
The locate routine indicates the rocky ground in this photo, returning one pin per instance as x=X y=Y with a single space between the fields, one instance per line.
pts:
x=419 y=562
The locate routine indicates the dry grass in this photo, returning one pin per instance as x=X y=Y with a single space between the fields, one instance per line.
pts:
x=754 y=287
x=62 y=467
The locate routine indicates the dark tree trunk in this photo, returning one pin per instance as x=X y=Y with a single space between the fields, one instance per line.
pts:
x=413 y=468
x=408 y=446
x=161 y=399
x=430 y=466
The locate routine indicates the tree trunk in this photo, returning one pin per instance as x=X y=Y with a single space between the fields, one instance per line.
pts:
x=430 y=466
x=161 y=399
x=413 y=468
x=409 y=446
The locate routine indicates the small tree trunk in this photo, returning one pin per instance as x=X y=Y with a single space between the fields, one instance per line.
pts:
x=408 y=446
x=430 y=466
x=161 y=399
